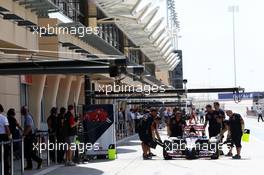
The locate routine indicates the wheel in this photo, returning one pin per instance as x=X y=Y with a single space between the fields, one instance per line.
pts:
x=165 y=155
x=190 y=154
x=216 y=154
x=167 y=147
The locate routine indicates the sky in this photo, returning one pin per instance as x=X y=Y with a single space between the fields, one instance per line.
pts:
x=206 y=31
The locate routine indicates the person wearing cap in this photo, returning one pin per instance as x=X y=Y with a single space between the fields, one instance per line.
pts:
x=236 y=128
x=176 y=125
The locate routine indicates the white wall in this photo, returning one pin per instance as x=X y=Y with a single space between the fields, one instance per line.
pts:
x=237 y=107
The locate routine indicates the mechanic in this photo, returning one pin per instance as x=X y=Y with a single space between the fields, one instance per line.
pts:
x=228 y=140
x=176 y=125
x=147 y=132
x=220 y=114
x=220 y=117
x=155 y=132
x=236 y=128
x=211 y=118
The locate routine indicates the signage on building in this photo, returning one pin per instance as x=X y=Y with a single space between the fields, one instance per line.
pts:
x=26 y=79
x=245 y=96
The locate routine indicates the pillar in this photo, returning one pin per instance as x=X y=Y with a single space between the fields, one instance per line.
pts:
x=64 y=91
x=75 y=90
x=51 y=92
x=35 y=97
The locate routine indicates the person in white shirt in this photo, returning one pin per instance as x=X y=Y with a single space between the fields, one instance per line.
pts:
x=5 y=136
x=259 y=113
x=130 y=120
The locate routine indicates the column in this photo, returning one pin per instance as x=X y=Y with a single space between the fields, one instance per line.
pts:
x=76 y=90
x=64 y=91
x=51 y=92
x=35 y=97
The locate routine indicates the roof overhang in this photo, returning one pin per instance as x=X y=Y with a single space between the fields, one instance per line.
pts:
x=149 y=28
x=66 y=66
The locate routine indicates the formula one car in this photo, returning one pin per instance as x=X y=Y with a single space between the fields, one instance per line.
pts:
x=194 y=144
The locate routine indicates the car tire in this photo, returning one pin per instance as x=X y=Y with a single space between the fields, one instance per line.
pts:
x=216 y=154
x=166 y=156
x=190 y=154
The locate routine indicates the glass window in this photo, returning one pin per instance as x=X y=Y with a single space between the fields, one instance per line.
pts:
x=24 y=94
x=43 y=118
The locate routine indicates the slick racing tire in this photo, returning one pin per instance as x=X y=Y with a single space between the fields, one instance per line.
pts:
x=190 y=154
x=165 y=155
x=216 y=154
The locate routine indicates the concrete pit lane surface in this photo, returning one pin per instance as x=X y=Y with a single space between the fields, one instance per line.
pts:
x=130 y=162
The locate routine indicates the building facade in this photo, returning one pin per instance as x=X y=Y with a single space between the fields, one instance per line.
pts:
x=22 y=39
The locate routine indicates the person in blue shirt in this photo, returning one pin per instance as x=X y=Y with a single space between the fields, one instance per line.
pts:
x=29 y=137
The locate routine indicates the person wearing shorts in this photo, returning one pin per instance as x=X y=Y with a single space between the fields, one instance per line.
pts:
x=147 y=132
x=70 y=139
x=70 y=125
x=236 y=127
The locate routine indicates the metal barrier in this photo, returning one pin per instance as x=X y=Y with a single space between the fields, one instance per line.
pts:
x=125 y=129
x=39 y=136
x=11 y=143
x=44 y=135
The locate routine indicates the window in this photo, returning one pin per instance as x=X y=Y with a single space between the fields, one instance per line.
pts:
x=43 y=118
x=24 y=95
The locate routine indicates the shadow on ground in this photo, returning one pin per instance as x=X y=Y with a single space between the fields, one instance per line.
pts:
x=75 y=171
x=134 y=143
x=124 y=151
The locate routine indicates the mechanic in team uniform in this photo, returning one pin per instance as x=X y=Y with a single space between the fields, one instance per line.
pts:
x=220 y=114
x=147 y=132
x=236 y=128
x=176 y=125
x=220 y=119
x=211 y=117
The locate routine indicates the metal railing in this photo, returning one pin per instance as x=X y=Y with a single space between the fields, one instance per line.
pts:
x=124 y=129
x=11 y=143
x=41 y=136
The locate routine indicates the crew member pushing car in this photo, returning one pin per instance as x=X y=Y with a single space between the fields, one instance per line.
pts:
x=176 y=125
x=214 y=124
x=236 y=128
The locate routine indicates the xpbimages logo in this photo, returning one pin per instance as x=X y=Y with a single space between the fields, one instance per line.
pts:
x=147 y=89
x=81 y=147
x=182 y=146
x=57 y=30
